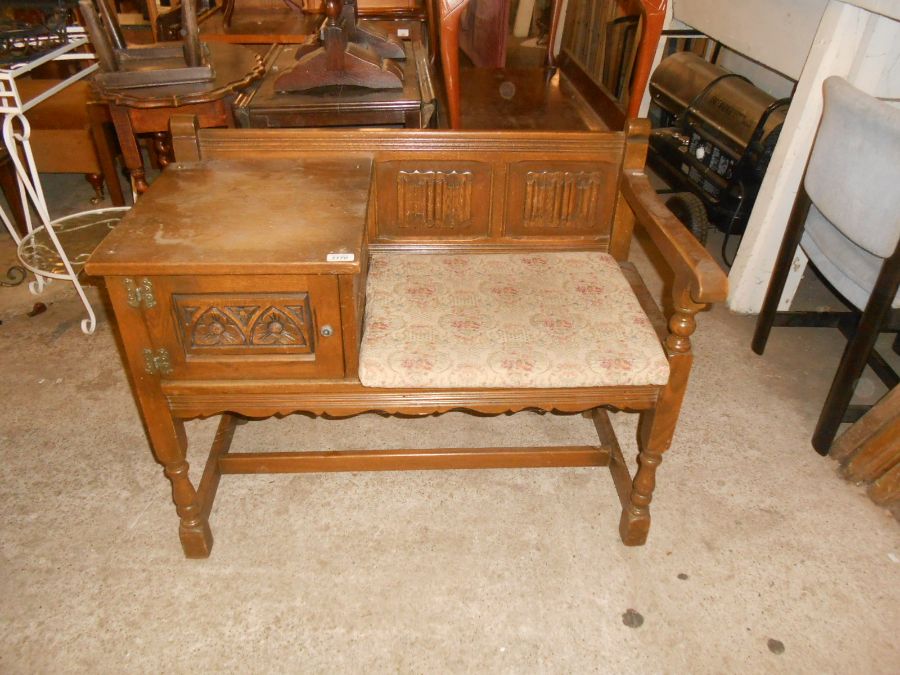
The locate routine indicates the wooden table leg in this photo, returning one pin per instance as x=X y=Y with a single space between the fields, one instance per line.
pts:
x=166 y=433
x=163 y=148
x=99 y=116
x=96 y=182
x=131 y=151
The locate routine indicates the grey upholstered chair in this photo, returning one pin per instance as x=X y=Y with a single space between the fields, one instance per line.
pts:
x=847 y=221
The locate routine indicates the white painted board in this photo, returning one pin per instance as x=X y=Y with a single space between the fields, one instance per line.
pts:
x=776 y=33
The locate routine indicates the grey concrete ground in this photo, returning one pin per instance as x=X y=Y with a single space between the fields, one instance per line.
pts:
x=760 y=558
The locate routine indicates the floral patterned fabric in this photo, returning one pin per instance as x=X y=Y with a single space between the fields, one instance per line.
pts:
x=505 y=320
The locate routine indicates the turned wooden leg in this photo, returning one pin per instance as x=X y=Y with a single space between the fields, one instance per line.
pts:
x=96 y=181
x=634 y=524
x=196 y=537
x=655 y=432
x=163 y=149
x=104 y=144
x=131 y=151
x=166 y=433
x=139 y=178
x=657 y=426
x=169 y=441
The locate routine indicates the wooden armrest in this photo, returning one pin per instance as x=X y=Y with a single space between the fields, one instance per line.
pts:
x=689 y=259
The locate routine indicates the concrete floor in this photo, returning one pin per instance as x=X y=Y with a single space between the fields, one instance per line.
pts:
x=760 y=558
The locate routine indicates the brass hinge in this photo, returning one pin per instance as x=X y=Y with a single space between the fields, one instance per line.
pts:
x=157 y=362
x=140 y=292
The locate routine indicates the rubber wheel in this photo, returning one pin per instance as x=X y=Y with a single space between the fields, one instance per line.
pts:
x=689 y=209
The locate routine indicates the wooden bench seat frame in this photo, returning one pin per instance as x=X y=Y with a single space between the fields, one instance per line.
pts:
x=166 y=403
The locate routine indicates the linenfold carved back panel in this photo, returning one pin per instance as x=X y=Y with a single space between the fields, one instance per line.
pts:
x=462 y=190
x=500 y=201
x=421 y=200
x=560 y=198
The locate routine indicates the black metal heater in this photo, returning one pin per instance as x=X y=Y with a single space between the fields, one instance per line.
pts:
x=713 y=136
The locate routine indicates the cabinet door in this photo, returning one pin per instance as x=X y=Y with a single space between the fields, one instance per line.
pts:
x=244 y=327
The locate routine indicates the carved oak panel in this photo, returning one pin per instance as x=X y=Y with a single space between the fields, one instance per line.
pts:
x=560 y=199
x=434 y=199
x=425 y=199
x=261 y=324
x=248 y=326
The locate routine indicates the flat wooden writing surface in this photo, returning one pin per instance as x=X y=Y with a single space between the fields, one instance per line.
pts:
x=264 y=217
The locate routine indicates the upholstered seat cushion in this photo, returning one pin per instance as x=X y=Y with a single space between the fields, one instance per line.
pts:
x=505 y=320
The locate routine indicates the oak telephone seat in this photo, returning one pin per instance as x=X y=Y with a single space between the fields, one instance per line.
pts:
x=402 y=272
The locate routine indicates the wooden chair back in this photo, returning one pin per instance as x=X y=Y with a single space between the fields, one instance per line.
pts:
x=611 y=65
x=464 y=191
x=448 y=22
